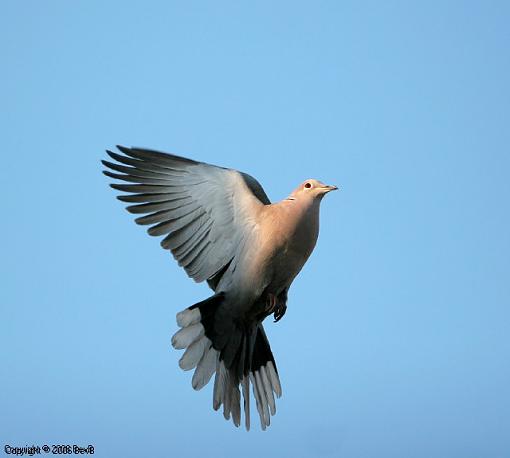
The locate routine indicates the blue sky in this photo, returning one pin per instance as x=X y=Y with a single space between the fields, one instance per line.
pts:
x=395 y=343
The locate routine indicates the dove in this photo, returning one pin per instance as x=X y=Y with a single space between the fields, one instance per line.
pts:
x=221 y=227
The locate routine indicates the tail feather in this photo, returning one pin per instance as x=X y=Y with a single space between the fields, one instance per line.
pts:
x=205 y=369
x=188 y=317
x=219 y=385
x=238 y=353
x=268 y=390
x=235 y=405
x=194 y=353
x=186 y=336
x=245 y=383
x=259 y=401
x=275 y=380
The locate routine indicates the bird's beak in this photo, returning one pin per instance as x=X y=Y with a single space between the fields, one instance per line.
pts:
x=329 y=188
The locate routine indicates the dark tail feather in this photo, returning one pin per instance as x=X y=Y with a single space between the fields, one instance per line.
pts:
x=239 y=354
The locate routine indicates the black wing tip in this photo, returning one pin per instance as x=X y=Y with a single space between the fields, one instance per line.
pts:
x=115 y=176
x=111 y=165
x=113 y=155
x=152 y=231
x=142 y=154
x=107 y=164
x=117 y=187
x=123 y=149
x=142 y=220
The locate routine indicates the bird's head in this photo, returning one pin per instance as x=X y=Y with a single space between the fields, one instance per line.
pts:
x=312 y=189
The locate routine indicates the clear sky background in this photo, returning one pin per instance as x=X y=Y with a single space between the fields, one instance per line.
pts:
x=396 y=340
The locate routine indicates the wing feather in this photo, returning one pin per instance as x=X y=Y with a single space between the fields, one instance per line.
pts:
x=178 y=237
x=146 y=198
x=141 y=165
x=168 y=215
x=157 y=206
x=183 y=250
x=138 y=172
x=205 y=212
x=190 y=258
x=156 y=188
x=174 y=224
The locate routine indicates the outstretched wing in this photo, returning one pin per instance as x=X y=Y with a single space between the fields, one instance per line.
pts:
x=205 y=212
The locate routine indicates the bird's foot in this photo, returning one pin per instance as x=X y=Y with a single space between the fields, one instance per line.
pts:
x=271 y=303
x=278 y=308
x=279 y=311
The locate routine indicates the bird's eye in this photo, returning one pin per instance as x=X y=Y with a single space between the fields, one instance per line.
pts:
x=308 y=185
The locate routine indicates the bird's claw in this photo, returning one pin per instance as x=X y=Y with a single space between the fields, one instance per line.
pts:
x=279 y=312
x=276 y=307
x=271 y=303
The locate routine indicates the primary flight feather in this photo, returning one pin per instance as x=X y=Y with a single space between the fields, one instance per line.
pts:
x=221 y=227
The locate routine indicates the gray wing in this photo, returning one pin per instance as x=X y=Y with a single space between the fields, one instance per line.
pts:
x=205 y=212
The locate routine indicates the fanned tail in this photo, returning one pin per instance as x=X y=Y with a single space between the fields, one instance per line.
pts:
x=238 y=354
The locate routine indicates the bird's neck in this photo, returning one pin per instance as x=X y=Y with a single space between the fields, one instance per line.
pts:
x=302 y=215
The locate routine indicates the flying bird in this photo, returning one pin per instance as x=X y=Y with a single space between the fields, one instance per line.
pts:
x=221 y=228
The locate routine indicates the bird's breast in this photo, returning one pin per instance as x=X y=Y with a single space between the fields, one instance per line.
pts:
x=287 y=243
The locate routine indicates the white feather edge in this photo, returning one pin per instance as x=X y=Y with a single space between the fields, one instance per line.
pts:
x=258 y=401
x=194 y=353
x=205 y=369
x=188 y=317
x=268 y=389
x=200 y=354
x=219 y=385
x=263 y=397
x=186 y=336
x=275 y=380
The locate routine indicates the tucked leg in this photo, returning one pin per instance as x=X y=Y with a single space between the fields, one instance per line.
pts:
x=281 y=306
x=271 y=303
